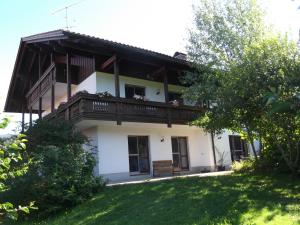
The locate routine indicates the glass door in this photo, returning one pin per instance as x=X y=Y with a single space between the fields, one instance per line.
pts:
x=180 y=153
x=138 y=154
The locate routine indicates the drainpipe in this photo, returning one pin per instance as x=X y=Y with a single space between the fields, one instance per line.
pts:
x=214 y=149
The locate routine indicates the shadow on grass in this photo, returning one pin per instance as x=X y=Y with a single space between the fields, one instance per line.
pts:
x=234 y=199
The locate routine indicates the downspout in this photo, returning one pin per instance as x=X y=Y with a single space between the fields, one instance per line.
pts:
x=214 y=149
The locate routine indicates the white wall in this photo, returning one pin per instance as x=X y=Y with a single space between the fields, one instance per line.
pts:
x=222 y=147
x=113 y=145
x=101 y=82
x=154 y=90
x=92 y=145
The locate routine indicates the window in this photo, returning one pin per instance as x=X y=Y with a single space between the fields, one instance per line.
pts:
x=175 y=96
x=180 y=153
x=131 y=90
x=138 y=154
x=238 y=147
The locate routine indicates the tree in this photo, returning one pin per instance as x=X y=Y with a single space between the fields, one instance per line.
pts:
x=239 y=61
x=12 y=165
x=61 y=173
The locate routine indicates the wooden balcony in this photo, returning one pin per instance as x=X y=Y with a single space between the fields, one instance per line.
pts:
x=84 y=106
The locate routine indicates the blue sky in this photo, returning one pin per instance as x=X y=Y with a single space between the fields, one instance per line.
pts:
x=159 y=25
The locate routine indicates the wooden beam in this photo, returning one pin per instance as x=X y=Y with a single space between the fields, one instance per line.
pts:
x=68 y=76
x=117 y=79
x=157 y=72
x=108 y=62
x=166 y=89
x=39 y=65
x=30 y=116
x=40 y=107
x=23 y=120
x=53 y=90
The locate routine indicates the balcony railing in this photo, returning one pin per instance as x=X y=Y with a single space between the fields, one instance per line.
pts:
x=92 y=107
x=41 y=86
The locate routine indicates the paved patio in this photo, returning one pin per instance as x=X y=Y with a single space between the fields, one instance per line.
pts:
x=148 y=180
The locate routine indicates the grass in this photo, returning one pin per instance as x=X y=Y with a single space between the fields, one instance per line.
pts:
x=232 y=199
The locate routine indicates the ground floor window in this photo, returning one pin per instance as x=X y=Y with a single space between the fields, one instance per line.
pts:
x=138 y=150
x=180 y=153
x=238 y=148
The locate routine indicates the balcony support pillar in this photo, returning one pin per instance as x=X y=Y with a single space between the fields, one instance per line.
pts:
x=30 y=117
x=23 y=120
x=53 y=90
x=117 y=80
x=40 y=107
x=117 y=90
x=68 y=77
x=166 y=91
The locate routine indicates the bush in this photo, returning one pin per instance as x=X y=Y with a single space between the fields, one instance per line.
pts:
x=248 y=165
x=61 y=173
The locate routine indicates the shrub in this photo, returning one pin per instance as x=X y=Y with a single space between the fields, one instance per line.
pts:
x=247 y=165
x=61 y=173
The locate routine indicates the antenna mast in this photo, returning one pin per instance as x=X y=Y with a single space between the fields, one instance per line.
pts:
x=67 y=27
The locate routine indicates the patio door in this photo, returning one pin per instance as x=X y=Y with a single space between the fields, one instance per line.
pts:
x=138 y=150
x=180 y=153
x=238 y=148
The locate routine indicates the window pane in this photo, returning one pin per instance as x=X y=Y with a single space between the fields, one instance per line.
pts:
x=237 y=143
x=132 y=145
x=176 y=161
x=175 y=96
x=144 y=165
x=182 y=146
x=140 y=91
x=184 y=162
x=133 y=164
x=143 y=146
x=129 y=92
x=174 y=144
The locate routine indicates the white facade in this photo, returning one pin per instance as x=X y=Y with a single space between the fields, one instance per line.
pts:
x=111 y=140
x=112 y=145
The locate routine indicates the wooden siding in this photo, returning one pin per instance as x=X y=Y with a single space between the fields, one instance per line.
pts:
x=86 y=66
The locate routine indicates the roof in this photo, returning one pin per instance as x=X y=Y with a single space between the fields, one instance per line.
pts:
x=65 y=34
x=76 y=39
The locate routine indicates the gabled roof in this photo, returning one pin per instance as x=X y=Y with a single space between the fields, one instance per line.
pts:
x=87 y=43
x=64 y=34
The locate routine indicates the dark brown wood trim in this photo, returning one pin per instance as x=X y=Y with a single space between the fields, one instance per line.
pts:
x=117 y=79
x=166 y=89
x=23 y=120
x=30 y=117
x=92 y=107
x=108 y=62
x=53 y=90
x=68 y=77
x=40 y=107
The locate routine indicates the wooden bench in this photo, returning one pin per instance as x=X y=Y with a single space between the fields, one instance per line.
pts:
x=162 y=168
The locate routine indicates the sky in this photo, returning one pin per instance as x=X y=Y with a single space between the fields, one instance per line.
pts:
x=158 y=25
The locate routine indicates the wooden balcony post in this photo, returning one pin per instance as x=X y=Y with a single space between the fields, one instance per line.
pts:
x=117 y=82
x=30 y=117
x=68 y=76
x=166 y=89
x=39 y=65
x=23 y=120
x=40 y=107
x=53 y=90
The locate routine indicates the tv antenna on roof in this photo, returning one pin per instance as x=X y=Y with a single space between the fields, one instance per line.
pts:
x=66 y=8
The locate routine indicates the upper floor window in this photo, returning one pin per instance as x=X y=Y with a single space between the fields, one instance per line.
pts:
x=175 y=96
x=132 y=90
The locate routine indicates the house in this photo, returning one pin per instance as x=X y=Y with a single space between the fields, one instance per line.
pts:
x=127 y=100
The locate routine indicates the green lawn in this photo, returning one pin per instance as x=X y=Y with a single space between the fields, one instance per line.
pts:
x=232 y=199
